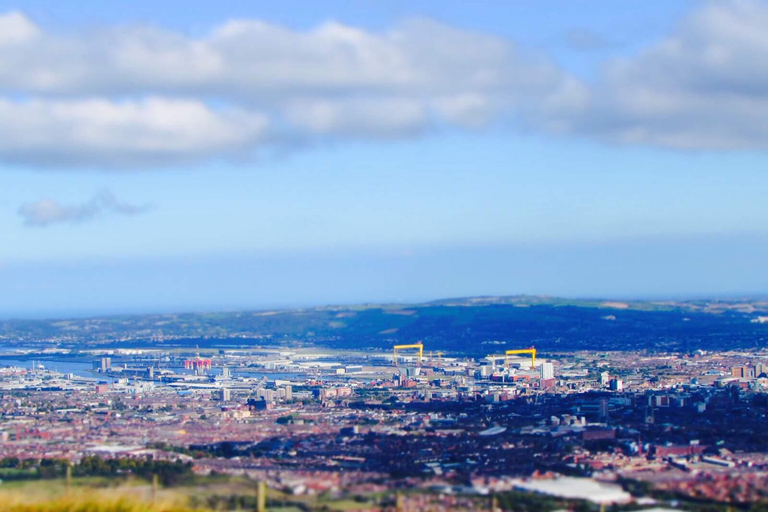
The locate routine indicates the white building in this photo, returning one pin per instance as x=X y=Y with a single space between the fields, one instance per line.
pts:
x=547 y=371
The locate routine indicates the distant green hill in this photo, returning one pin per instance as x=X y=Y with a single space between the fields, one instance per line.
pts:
x=473 y=325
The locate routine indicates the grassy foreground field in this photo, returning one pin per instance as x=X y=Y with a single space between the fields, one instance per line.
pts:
x=92 y=503
x=198 y=494
x=89 y=495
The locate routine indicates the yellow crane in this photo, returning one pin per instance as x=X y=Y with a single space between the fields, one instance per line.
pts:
x=439 y=357
x=419 y=346
x=531 y=351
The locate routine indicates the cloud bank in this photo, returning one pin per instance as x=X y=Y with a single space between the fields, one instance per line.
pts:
x=703 y=87
x=46 y=212
x=126 y=96
x=138 y=96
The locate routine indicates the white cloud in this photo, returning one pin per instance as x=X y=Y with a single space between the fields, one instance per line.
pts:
x=469 y=109
x=353 y=118
x=703 y=87
x=45 y=212
x=258 y=61
x=15 y=28
x=102 y=133
x=143 y=95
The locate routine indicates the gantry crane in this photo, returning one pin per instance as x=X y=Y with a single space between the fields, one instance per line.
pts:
x=439 y=357
x=531 y=351
x=418 y=345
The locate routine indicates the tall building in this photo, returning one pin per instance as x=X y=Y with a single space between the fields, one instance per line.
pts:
x=605 y=378
x=270 y=395
x=616 y=384
x=743 y=372
x=649 y=416
x=226 y=394
x=547 y=371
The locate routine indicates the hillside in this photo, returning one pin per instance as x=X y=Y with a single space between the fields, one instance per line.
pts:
x=466 y=325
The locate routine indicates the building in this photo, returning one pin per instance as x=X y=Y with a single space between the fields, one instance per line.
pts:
x=547 y=371
x=412 y=371
x=616 y=384
x=547 y=383
x=225 y=394
x=270 y=395
x=332 y=393
x=285 y=393
x=743 y=372
x=603 y=409
x=103 y=364
x=198 y=364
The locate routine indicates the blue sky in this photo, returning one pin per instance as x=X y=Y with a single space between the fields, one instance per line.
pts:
x=209 y=155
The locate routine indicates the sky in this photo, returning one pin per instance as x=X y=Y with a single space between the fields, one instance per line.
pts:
x=245 y=155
